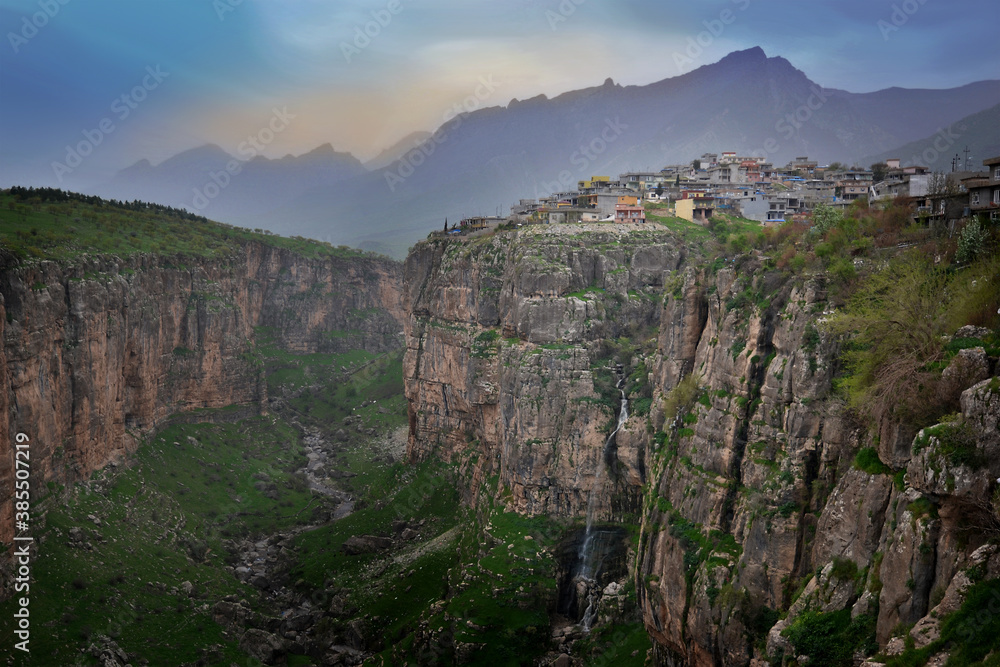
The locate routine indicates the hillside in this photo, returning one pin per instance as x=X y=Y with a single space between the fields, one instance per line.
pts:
x=772 y=479
x=485 y=160
x=650 y=444
x=980 y=130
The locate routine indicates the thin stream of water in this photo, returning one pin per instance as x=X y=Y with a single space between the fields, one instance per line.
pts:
x=586 y=570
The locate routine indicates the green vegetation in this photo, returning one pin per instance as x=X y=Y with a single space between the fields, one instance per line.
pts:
x=844 y=569
x=895 y=324
x=52 y=224
x=867 y=460
x=715 y=547
x=163 y=521
x=618 y=644
x=831 y=639
x=688 y=231
x=193 y=490
x=682 y=398
x=971 y=634
x=956 y=442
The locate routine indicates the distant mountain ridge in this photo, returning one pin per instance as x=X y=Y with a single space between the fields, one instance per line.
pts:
x=397 y=150
x=483 y=161
x=979 y=131
x=210 y=181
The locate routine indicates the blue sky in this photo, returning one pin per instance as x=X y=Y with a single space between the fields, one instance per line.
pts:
x=224 y=66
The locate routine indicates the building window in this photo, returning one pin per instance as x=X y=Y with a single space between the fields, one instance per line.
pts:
x=996 y=196
x=975 y=199
x=996 y=173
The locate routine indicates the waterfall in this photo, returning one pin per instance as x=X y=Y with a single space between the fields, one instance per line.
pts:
x=586 y=568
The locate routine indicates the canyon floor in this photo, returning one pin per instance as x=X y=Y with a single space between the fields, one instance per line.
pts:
x=299 y=537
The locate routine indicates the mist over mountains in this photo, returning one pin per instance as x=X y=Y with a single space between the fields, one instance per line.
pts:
x=482 y=161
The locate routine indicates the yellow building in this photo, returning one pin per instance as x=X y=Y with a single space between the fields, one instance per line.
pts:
x=695 y=209
x=594 y=182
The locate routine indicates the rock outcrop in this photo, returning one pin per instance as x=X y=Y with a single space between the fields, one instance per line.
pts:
x=505 y=336
x=99 y=350
x=748 y=498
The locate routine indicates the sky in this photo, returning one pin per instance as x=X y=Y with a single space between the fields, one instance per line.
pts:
x=124 y=80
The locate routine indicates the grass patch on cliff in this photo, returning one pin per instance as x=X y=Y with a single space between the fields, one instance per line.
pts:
x=328 y=388
x=390 y=587
x=52 y=224
x=867 y=460
x=164 y=521
x=970 y=634
x=895 y=327
x=230 y=479
x=622 y=644
x=831 y=639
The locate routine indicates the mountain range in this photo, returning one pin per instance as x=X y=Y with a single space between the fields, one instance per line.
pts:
x=483 y=161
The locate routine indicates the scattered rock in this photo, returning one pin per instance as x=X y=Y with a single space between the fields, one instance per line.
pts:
x=970 y=331
x=108 y=653
x=355 y=545
x=562 y=661
x=969 y=367
x=261 y=645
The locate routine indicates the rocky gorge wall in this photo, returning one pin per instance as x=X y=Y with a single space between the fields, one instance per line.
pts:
x=99 y=350
x=751 y=509
x=504 y=338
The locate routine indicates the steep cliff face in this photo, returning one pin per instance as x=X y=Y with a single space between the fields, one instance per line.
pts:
x=506 y=336
x=745 y=466
x=756 y=505
x=98 y=351
x=743 y=473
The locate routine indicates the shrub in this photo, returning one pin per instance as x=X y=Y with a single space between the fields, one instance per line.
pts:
x=895 y=322
x=681 y=398
x=867 y=460
x=844 y=569
x=971 y=241
x=831 y=639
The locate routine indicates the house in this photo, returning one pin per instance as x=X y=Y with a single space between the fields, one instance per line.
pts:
x=478 y=223
x=802 y=164
x=904 y=182
x=768 y=209
x=728 y=172
x=640 y=180
x=626 y=213
x=595 y=183
x=984 y=191
x=606 y=202
x=852 y=184
x=937 y=210
x=572 y=215
x=695 y=209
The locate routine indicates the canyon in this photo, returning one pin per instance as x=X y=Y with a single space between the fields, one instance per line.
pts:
x=733 y=510
x=751 y=509
x=99 y=351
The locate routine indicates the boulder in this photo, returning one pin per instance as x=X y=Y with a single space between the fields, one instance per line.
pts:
x=261 y=645
x=364 y=544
